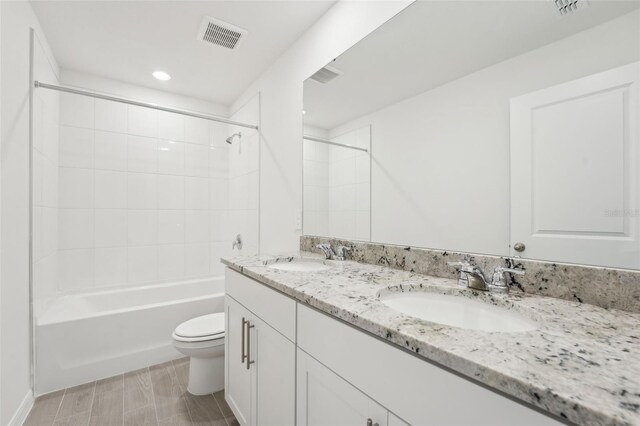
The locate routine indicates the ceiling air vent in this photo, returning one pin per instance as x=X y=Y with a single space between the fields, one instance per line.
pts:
x=220 y=33
x=568 y=7
x=326 y=74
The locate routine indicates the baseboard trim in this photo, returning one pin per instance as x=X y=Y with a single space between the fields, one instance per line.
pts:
x=23 y=410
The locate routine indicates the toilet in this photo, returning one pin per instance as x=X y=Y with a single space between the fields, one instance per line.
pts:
x=202 y=340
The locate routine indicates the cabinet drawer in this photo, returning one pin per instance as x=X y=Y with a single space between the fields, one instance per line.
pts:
x=276 y=309
x=418 y=391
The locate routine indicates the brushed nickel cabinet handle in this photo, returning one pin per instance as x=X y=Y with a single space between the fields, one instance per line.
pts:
x=243 y=340
x=249 y=327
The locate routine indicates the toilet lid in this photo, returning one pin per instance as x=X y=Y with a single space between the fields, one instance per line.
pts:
x=206 y=325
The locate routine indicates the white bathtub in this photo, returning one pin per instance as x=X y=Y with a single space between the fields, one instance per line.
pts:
x=85 y=337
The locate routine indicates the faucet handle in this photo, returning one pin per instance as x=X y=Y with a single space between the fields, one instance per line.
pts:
x=462 y=267
x=341 y=252
x=326 y=249
x=502 y=270
x=499 y=282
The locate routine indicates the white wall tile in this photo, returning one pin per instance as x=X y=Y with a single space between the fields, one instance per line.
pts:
x=196 y=130
x=38 y=177
x=142 y=154
x=217 y=250
x=110 y=151
x=170 y=157
x=219 y=194
x=76 y=110
x=197 y=259
x=196 y=193
x=219 y=226
x=142 y=227
x=75 y=228
x=75 y=269
x=196 y=160
x=142 y=121
x=110 y=189
x=171 y=226
x=219 y=161
x=142 y=264
x=142 y=191
x=110 y=116
x=76 y=147
x=171 y=262
x=45 y=277
x=110 y=266
x=196 y=226
x=76 y=188
x=171 y=126
x=110 y=228
x=170 y=192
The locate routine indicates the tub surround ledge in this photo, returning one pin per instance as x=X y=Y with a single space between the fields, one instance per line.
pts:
x=580 y=365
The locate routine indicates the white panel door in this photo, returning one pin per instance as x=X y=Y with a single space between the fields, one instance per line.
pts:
x=574 y=170
x=326 y=399
x=237 y=378
x=273 y=375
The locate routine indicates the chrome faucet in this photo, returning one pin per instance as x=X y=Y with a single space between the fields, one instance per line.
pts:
x=237 y=242
x=471 y=276
x=339 y=254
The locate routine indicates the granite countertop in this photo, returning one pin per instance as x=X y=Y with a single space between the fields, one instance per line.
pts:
x=581 y=364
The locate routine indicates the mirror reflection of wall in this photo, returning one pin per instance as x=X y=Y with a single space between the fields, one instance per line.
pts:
x=440 y=104
x=337 y=183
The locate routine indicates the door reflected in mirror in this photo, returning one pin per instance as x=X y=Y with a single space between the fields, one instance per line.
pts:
x=495 y=127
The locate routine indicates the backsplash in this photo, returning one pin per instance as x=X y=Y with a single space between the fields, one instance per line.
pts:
x=605 y=287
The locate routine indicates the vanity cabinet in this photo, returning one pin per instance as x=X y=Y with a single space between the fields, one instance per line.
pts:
x=287 y=364
x=259 y=359
x=324 y=398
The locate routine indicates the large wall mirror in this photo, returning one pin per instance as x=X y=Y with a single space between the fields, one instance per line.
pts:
x=492 y=127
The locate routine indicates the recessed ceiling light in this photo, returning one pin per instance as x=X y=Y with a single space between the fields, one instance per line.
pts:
x=304 y=112
x=161 y=75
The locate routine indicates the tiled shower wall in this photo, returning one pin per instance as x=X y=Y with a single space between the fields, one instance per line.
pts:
x=244 y=179
x=337 y=187
x=143 y=195
x=44 y=153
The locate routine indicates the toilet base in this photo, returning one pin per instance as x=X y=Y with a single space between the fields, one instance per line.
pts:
x=206 y=375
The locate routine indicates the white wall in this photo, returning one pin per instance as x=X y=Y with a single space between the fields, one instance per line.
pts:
x=440 y=171
x=17 y=19
x=280 y=87
x=142 y=192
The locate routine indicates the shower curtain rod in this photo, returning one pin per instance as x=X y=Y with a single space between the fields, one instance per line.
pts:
x=81 y=92
x=344 y=145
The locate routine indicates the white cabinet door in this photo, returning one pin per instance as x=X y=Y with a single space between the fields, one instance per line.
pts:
x=574 y=170
x=237 y=377
x=273 y=375
x=325 y=399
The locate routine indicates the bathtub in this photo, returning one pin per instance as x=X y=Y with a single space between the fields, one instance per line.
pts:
x=89 y=336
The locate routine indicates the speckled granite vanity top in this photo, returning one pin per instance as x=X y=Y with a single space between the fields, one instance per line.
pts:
x=581 y=364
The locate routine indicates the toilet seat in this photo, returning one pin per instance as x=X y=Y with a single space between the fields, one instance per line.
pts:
x=201 y=329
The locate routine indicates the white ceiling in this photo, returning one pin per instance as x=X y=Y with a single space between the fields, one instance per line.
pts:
x=433 y=42
x=128 y=40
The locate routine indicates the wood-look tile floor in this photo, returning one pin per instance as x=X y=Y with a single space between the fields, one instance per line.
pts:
x=155 y=395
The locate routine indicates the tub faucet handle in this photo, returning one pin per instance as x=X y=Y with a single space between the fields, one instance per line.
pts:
x=237 y=242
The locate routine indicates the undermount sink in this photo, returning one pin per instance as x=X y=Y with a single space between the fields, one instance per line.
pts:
x=300 y=265
x=457 y=311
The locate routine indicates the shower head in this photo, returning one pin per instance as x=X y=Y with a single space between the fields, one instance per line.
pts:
x=230 y=138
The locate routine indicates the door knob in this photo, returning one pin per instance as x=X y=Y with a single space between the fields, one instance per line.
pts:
x=519 y=247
